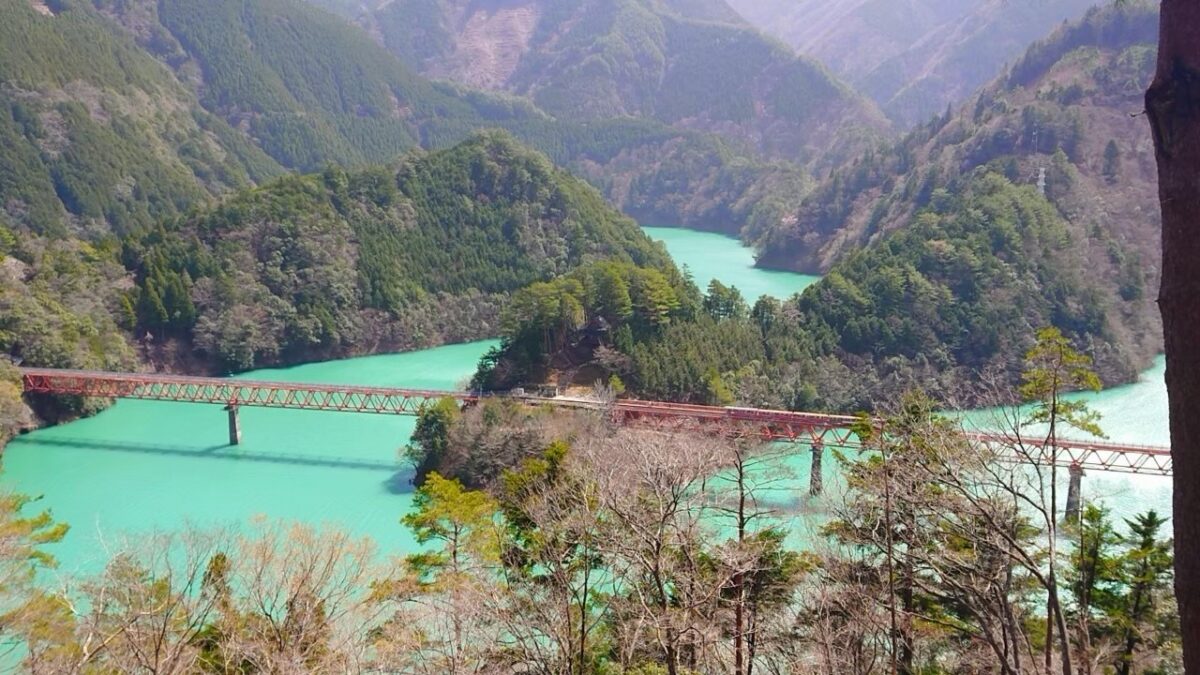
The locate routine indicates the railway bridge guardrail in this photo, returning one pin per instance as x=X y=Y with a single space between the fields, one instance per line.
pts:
x=817 y=430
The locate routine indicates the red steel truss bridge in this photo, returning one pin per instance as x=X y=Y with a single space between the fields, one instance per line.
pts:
x=815 y=430
x=232 y=391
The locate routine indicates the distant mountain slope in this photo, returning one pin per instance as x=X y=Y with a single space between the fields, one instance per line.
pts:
x=307 y=267
x=115 y=115
x=704 y=10
x=321 y=266
x=95 y=135
x=604 y=58
x=913 y=57
x=309 y=89
x=1069 y=107
x=949 y=305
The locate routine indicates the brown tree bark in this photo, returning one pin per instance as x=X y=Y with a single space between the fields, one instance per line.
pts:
x=1173 y=107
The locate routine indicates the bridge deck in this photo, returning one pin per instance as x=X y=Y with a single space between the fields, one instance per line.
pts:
x=766 y=425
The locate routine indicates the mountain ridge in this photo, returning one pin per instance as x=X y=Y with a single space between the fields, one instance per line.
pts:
x=912 y=57
x=1063 y=116
x=315 y=105
x=629 y=57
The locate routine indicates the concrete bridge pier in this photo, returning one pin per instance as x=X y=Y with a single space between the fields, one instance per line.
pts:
x=1073 y=490
x=235 y=425
x=815 y=481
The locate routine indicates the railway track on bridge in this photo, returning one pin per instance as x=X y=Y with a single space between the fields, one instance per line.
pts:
x=814 y=429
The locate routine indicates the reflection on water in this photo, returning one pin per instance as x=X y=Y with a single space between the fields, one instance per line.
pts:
x=146 y=465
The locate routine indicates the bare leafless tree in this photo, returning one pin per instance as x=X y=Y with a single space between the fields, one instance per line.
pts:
x=652 y=487
x=280 y=599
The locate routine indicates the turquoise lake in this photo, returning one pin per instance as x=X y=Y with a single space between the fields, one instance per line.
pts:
x=141 y=466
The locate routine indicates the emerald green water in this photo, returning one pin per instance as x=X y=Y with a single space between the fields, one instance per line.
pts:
x=714 y=256
x=1134 y=414
x=144 y=465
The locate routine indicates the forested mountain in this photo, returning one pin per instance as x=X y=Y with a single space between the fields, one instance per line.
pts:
x=307 y=88
x=913 y=57
x=345 y=263
x=948 y=304
x=601 y=58
x=941 y=253
x=1066 y=107
x=306 y=267
x=117 y=114
x=96 y=136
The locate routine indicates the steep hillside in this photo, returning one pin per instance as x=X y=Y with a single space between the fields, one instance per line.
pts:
x=116 y=115
x=913 y=57
x=341 y=263
x=704 y=10
x=601 y=59
x=96 y=135
x=305 y=267
x=1067 y=108
x=307 y=88
x=949 y=304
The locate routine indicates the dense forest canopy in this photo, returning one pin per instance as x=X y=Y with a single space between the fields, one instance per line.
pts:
x=342 y=262
x=951 y=297
x=1060 y=116
x=120 y=113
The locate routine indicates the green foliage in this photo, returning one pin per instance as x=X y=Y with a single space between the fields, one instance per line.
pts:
x=310 y=266
x=461 y=521
x=136 y=113
x=1110 y=25
x=14 y=416
x=934 y=303
x=598 y=300
x=1057 y=109
x=724 y=302
x=57 y=310
x=692 y=361
x=431 y=437
x=1093 y=571
x=959 y=287
x=1121 y=587
x=1053 y=368
x=1148 y=564
x=22 y=538
x=316 y=89
x=82 y=139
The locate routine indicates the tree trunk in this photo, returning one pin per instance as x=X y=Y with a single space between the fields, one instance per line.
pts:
x=1173 y=107
x=739 y=610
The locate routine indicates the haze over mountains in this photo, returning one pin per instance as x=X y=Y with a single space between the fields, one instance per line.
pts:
x=1065 y=116
x=913 y=57
x=145 y=126
x=693 y=65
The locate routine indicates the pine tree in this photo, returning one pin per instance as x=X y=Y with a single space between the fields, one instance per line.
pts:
x=1054 y=368
x=1147 y=566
